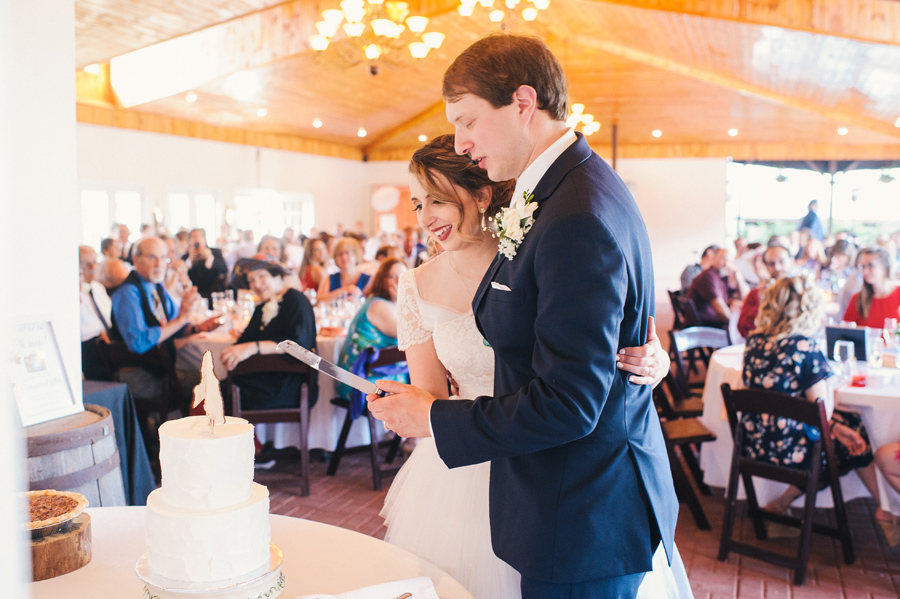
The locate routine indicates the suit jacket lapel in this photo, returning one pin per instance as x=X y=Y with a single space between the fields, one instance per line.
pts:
x=574 y=155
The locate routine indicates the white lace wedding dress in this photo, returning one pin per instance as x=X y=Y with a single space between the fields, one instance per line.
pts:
x=441 y=514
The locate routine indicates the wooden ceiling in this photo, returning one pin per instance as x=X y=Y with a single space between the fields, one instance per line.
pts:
x=787 y=74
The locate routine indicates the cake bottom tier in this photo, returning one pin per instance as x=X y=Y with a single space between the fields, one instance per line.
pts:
x=211 y=545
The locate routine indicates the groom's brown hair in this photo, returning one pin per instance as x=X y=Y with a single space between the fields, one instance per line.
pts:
x=497 y=65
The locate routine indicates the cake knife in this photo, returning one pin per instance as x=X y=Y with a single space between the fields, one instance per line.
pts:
x=336 y=372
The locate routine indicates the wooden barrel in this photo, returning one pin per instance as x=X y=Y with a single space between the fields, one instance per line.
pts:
x=77 y=453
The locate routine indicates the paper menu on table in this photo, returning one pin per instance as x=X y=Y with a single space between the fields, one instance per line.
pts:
x=419 y=588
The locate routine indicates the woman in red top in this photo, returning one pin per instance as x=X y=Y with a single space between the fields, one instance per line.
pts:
x=879 y=297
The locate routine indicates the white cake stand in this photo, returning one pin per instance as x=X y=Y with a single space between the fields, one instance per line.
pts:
x=266 y=582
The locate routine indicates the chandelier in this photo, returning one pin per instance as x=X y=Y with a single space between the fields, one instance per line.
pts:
x=579 y=118
x=376 y=31
x=529 y=8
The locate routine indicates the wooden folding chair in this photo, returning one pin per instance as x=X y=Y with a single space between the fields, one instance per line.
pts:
x=756 y=401
x=380 y=467
x=284 y=364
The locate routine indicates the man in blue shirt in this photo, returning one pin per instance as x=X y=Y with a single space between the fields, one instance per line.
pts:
x=811 y=221
x=144 y=315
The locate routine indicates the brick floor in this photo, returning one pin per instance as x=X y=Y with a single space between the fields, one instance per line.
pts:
x=348 y=500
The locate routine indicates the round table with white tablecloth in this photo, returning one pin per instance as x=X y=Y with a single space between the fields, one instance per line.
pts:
x=318 y=558
x=325 y=420
x=880 y=413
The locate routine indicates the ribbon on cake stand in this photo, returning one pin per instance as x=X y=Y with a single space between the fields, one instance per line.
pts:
x=209 y=393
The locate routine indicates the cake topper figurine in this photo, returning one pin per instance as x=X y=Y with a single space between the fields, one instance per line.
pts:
x=208 y=392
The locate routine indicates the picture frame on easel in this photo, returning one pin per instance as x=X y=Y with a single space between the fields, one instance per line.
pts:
x=39 y=382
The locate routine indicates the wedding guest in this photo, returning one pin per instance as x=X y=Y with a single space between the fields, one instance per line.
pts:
x=811 y=221
x=691 y=271
x=778 y=263
x=718 y=290
x=111 y=249
x=113 y=273
x=123 y=235
x=375 y=325
x=414 y=250
x=747 y=260
x=312 y=267
x=271 y=246
x=282 y=313
x=87 y=260
x=782 y=355
x=144 y=314
x=177 y=280
x=94 y=325
x=348 y=280
x=879 y=297
x=293 y=249
x=811 y=257
x=206 y=265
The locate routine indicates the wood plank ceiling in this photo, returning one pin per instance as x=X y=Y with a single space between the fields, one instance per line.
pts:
x=787 y=74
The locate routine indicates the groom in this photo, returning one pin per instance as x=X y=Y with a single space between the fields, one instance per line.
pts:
x=581 y=492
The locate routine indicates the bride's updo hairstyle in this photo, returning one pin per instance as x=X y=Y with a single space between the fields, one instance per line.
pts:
x=438 y=157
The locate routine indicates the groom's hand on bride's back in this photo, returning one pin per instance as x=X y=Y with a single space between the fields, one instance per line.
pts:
x=405 y=410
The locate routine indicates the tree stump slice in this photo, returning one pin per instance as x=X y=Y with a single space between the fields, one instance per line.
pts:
x=62 y=552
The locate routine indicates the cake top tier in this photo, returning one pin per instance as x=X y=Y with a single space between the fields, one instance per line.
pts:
x=197 y=427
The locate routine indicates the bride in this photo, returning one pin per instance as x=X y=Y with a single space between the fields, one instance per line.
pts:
x=432 y=511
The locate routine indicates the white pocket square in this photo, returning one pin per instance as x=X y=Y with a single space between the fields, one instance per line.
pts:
x=499 y=286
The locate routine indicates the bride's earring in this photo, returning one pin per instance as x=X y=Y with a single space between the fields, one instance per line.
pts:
x=484 y=223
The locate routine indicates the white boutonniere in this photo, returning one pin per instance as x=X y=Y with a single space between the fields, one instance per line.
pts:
x=514 y=222
x=270 y=311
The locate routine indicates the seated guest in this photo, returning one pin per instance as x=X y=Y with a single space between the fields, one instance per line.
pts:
x=271 y=246
x=381 y=254
x=348 y=280
x=415 y=252
x=112 y=273
x=111 y=249
x=782 y=355
x=144 y=314
x=879 y=297
x=778 y=263
x=691 y=271
x=282 y=313
x=177 y=279
x=94 y=325
x=312 y=267
x=746 y=262
x=87 y=261
x=839 y=266
x=206 y=265
x=811 y=257
x=375 y=325
x=717 y=290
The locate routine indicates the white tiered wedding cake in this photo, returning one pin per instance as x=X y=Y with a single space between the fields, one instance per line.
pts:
x=209 y=521
x=208 y=524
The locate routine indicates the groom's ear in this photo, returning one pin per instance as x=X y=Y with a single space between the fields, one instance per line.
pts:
x=525 y=99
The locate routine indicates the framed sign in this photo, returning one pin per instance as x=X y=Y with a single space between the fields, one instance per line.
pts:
x=39 y=382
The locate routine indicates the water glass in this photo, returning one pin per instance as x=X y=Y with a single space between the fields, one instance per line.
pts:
x=889 y=334
x=845 y=356
x=875 y=352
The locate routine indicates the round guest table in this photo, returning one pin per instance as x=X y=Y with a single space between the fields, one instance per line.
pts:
x=318 y=558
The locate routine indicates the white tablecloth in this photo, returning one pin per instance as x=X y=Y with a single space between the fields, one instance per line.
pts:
x=325 y=420
x=318 y=558
x=878 y=404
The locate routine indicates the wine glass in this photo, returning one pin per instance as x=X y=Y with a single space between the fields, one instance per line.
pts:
x=889 y=333
x=845 y=356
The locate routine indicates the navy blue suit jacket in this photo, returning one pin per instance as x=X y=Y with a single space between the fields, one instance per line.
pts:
x=580 y=479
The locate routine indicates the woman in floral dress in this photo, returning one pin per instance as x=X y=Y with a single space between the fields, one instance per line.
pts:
x=782 y=355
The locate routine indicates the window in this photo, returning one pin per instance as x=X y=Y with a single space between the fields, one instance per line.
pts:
x=269 y=212
x=103 y=205
x=193 y=208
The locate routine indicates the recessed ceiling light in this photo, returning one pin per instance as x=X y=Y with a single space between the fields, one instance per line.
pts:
x=93 y=69
x=317 y=123
x=423 y=138
x=361 y=132
x=656 y=133
x=262 y=112
x=843 y=131
x=191 y=97
x=732 y=132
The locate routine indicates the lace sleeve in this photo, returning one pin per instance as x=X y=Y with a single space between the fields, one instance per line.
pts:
x=411 y=327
